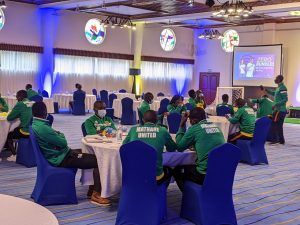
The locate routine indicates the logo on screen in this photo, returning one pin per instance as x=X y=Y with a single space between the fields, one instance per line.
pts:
x=167 y=40
x=95 y=31
x=231 y=39
x=2 y=19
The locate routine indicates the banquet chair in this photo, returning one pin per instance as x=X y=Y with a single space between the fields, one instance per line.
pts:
x=104 y=97
x=122 y=91
x=173 y=122
x=94 y=92
x=79 y=103
x=128 y=115
x=36 y=98
x=188 y=106
x=84 y=133
x=253 y=151
x=50 y=118
x=54 y=185
x=45 y=94
x=223 y=110
x=111 y=99
x=212 y=203
x=142 y=201
x=25 y=154
x=163 y=105
x=160 y=94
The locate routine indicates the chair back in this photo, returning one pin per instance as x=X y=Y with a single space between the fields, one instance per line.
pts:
x=50 y=118
x=139 y=201
x=79 y=103
x=111 y=99
x=122 y=91
x=173 y=122
x=163 y=106
x=84 y=133
x=188 y=106
x=45 y=94
x=94 y=92
x=104 y=97
x=160 y=94
x=223 y=110
x=127 y=117
x=36 y=98
x=221 y=167
x=262 y=127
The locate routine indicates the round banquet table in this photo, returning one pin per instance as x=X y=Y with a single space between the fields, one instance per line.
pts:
x=11 y=101
x=124 y=95
x=5 y=128
x=18 y=211
x=110 y=168
x=64 y=100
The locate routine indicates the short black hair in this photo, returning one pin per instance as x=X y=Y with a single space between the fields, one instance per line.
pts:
x=197 y=114
x=39 y=109
x=240 y=102
x=280 y=78
x=76 y=85
x=192 y=93
x=28 y=86
x=150 y=116
x=22 y=94
x=175 y=99
x=99 y=102
x=225 y=98
x=148 y=97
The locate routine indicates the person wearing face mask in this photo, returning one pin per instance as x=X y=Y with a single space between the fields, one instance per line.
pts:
x=97 y=123
x=204 y=136
x=22 y=111
x=176 y=105
x=145 y=106
x=56 y=151
x=200 y=99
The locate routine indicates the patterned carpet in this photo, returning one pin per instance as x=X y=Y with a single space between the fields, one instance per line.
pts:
x=262 y=194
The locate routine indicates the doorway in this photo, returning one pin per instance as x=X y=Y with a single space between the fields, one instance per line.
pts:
x=208 y=83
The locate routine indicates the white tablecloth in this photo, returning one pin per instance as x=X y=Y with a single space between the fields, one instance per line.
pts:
x=109 y=162
x=11 y=101
x=225 y=126
x=5 y=128
x=64 y=99
x=18 y=211
x=125 y=95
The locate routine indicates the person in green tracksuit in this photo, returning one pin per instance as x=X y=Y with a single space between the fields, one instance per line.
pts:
x=3 y=105
x=264 y=106
x=176 y=105
x=56 y=151
x=225 y=99
x=193 y=100
x=30 y=92
x=157 y=137
x=22 y=111
x=246 y=118
x=204 y=136
x=99 y=122
x=279 y=109
x=145 y=106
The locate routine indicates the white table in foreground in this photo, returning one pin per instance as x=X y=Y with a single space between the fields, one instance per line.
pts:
x=225 y=126
x=64 y=100
x=18 y=211
x=5 y=128
x=110 y=168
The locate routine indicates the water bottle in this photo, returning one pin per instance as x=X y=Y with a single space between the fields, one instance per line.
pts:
x=119 y=132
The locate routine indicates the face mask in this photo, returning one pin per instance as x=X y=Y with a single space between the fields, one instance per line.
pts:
x=101 y=113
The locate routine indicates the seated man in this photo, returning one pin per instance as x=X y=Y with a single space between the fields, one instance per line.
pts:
x=55 y=149
x=264 y=106
x=145 y=106
x=176 y=105
x=75 y=95
x=99 y=122
x=157 y=137
x=200 y=99
x=30 y=92
x=3 y=105
x=22 y=111
x=204 y=136
x=246 y=118
x=225 y=99
x=193 y=100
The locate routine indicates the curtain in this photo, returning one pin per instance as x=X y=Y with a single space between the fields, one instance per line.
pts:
x=99 y=73
x=16 y=70
x=169 y=78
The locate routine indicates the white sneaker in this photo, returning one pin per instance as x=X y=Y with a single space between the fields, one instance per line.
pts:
x=11 y=158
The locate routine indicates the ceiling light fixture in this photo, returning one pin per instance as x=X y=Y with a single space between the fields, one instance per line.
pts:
x=191 y=3
x=233 y=10
x=294 y=13
x=3 y=5
x=211 y=35
x=210 y=3
x=121 y=22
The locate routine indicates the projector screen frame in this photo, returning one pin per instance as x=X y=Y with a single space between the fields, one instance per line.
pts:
x=246 y=46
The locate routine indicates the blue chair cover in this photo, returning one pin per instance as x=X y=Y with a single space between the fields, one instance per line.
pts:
x=122 y=91
x=54 y=185
x=104 y=97
x=163 y=106
x=25 y=154
x=142 y=200
x=128 y=115
x=253 y=151
x=223 y=110
x=160 y=94
x=211 y=203
x=45 y=94
x=188 y=106
x=173 y=122
x=79 y=103
x=84 y=133
x=36 y=98
x=111 y=98
x=50 y=118
x=94 y=92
